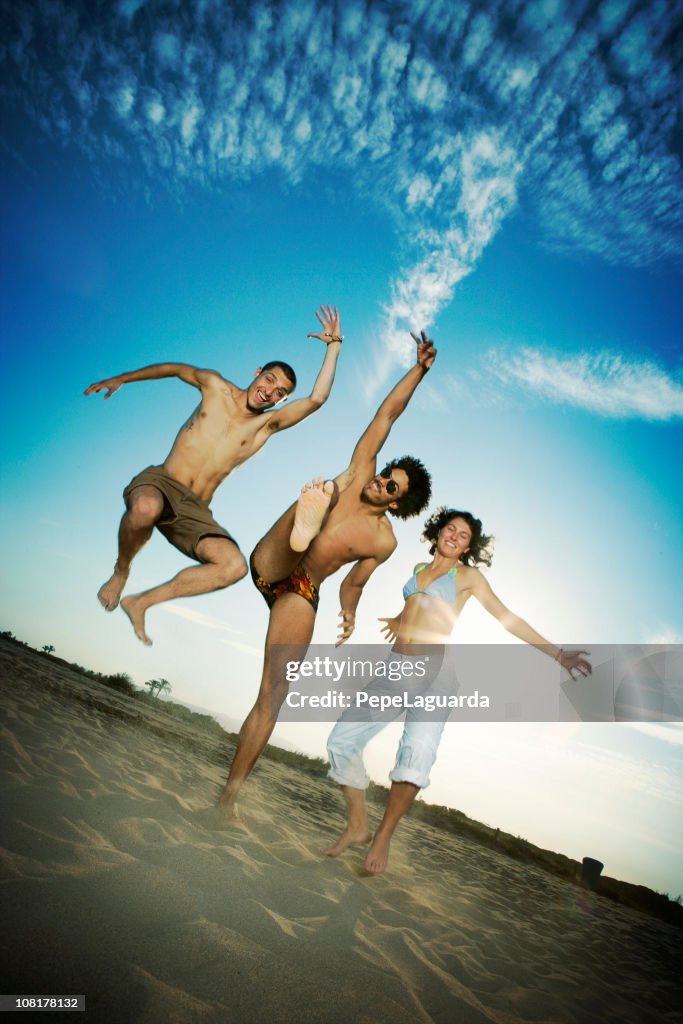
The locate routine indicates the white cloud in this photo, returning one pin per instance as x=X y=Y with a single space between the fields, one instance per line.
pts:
x=124 y=100
x=188 y=124
x=520 y=77
x=487 y=172
x=425 y=86
x=239 y=645
x=302 y=132
x=611 y=137
x=419 y=190
x=155 y=110
x=606 y=384
x=198 y=618
x=275 y=87
x=478 y=38
x=352 y=20
x=603 y=106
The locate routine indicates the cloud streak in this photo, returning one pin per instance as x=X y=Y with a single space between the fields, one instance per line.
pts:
x=605 y=384
x=218 y=625
x=486 y=170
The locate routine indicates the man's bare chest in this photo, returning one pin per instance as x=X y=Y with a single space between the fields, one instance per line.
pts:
x=348 y=537
x=219 y=427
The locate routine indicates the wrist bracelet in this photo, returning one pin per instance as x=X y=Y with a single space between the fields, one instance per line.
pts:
x=558 y=656
x=333 y=337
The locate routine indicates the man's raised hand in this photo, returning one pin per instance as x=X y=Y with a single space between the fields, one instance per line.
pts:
x=330 y=321
x=426 y=353
x=111 y=385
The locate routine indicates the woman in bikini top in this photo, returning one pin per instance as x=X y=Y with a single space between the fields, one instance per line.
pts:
x=438 y=590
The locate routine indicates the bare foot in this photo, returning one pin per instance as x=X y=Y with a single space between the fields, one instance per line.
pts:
x=136 y=614
x=351 y=837
x=378 y=855
x=311 y=507
x=109 y=593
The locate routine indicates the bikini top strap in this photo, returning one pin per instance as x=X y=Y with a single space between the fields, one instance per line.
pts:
x=451 y=572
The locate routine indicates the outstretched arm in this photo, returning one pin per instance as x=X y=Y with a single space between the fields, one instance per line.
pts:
x=394 y=404
x=189 y=374
x=350 y=592
x=331 y=335
x=570 y=660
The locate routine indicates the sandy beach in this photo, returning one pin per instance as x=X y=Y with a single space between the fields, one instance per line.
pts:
x=113 y=888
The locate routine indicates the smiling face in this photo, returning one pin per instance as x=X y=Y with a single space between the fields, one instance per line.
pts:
x=269 y=387
x=385 y=489
x=454 y=538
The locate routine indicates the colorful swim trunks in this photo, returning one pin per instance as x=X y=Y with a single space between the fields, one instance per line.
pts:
x=299 y=582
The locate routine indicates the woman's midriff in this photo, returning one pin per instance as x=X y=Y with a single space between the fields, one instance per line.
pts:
x=425 y=620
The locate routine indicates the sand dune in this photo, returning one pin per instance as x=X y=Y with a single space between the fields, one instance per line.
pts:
x=113 y=888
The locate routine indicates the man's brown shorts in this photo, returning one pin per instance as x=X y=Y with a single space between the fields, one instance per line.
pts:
x=186 y=519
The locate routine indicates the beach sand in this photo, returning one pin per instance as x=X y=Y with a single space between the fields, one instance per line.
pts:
x=113 y=888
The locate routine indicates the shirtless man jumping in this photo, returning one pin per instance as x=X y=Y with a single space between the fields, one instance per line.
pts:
x=332 y=524
x=226 y=428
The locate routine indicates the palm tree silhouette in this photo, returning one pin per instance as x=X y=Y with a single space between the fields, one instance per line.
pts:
x=157 y=686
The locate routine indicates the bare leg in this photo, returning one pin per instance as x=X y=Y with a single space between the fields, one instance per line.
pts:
x=401 y=797
x=291 y=621
x=224 y=565
x=274 y=557
x=146 y=504
x=357 y=832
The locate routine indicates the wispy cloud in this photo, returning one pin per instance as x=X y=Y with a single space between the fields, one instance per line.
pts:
x=198 y=618
x=447 y=116
x=485 y=170
x=239 y=645
x=234 y=637
x=605 y=384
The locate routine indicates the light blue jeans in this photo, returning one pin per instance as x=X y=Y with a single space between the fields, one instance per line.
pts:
x=414 y=759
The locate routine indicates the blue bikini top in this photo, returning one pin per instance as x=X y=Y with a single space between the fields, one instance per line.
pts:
x=444 y=587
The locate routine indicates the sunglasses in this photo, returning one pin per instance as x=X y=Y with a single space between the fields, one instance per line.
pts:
x=392 y=486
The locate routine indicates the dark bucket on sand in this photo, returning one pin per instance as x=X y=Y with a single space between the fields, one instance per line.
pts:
x=590 y=872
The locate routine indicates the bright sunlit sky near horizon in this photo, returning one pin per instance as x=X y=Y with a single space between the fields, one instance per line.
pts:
x=190 y=181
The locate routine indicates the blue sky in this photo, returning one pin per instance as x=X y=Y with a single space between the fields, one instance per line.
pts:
x=190 y=181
